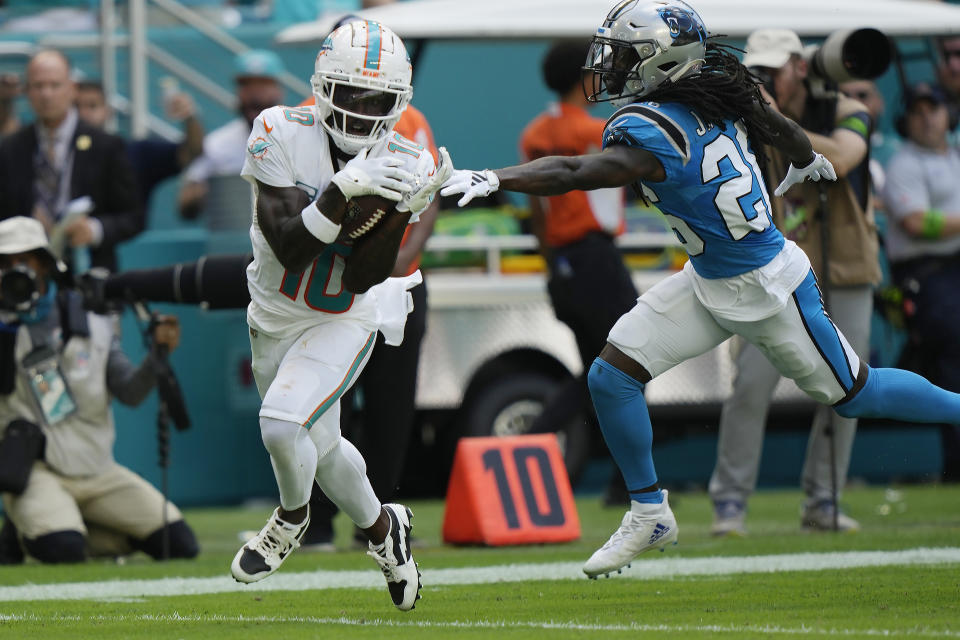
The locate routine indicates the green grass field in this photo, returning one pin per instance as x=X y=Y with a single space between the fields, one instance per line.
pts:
x=749 y=587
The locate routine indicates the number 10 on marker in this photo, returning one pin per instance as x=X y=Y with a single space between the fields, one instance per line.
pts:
x=511 y=490
x=522 y=458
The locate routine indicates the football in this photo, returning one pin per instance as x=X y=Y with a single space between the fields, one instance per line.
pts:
x=363 y=214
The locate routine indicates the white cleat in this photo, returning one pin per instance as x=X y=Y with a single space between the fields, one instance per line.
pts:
x=396 y=559
x=644 y=527
x=265 y=552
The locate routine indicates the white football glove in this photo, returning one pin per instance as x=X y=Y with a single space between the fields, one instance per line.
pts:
x=382 y=176
x=818 y=168
x=472 y=184
x=420 y=198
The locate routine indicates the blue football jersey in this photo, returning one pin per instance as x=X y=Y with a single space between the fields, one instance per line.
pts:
x=713 y=196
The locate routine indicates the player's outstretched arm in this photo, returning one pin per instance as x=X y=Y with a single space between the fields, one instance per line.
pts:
x=615 y=166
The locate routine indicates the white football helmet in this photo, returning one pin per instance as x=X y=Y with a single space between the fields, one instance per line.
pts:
x=642 y=45
x=361 y=83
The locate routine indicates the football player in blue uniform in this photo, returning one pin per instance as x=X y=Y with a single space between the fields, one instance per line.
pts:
x=691 y=126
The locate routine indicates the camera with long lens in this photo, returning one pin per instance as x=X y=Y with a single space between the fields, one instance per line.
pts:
x=850 y=54
x=18 y=289
x=213 y=282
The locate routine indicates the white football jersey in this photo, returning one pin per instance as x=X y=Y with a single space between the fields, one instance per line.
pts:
x=288 y=147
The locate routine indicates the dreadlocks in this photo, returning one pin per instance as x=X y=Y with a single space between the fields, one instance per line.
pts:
x=723 y=90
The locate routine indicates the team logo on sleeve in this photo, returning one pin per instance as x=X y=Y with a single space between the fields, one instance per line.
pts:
x=258 y=148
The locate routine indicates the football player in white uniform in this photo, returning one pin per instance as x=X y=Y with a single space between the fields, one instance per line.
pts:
x=319 y=295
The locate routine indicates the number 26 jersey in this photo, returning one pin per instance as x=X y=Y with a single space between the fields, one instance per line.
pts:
x=713 y=196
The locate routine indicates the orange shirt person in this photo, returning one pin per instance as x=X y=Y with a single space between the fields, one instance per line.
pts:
x=567 y=129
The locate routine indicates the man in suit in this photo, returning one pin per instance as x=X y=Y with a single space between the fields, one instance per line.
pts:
x=72 y=177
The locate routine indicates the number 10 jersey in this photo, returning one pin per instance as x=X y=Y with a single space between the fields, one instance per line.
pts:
x=288 y=147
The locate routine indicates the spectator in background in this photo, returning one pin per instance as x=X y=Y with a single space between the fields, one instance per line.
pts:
x=61 y=368
x=9 y=90
x=224 y=149
x=588 y=284
x=839 y=128
x=948 y=72
x=153 y=159
x=74 y=178
x=923 y=242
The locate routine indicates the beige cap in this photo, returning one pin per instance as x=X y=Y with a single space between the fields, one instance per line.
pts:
x=771 y=48
x=21 y=234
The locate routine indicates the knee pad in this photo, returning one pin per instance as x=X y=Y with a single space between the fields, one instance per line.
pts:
x=59 y=547
x=607 y=382
x=278 y=435
x=595 y=380
x=183 y=544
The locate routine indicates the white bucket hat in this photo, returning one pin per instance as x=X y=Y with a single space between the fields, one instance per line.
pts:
x=21 y=234
x=771 y=48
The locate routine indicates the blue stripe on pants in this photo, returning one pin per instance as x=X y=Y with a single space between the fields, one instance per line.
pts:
x=822 y=331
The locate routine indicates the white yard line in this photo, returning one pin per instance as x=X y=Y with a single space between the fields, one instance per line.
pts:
x=646 y=569
x=711 y=629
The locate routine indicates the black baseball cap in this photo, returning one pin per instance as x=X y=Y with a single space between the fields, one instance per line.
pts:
x=923 y=91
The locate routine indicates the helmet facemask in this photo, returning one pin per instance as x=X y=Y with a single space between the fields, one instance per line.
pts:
x=612 y=67
x=358 y=116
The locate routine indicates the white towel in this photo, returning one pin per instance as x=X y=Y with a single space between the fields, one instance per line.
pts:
x=394 y=302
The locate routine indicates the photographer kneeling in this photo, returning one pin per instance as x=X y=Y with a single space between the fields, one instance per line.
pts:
x=60 y=367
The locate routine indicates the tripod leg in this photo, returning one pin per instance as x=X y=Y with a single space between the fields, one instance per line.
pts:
x=163 y=442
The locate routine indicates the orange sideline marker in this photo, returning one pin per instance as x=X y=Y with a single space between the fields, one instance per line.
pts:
x=511 y=490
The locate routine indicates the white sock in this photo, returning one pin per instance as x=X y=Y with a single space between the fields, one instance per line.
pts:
x=342 y=474
x=294 y=459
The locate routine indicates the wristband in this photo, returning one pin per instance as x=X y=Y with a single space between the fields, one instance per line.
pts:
x=320 y=226
x=933 y=221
